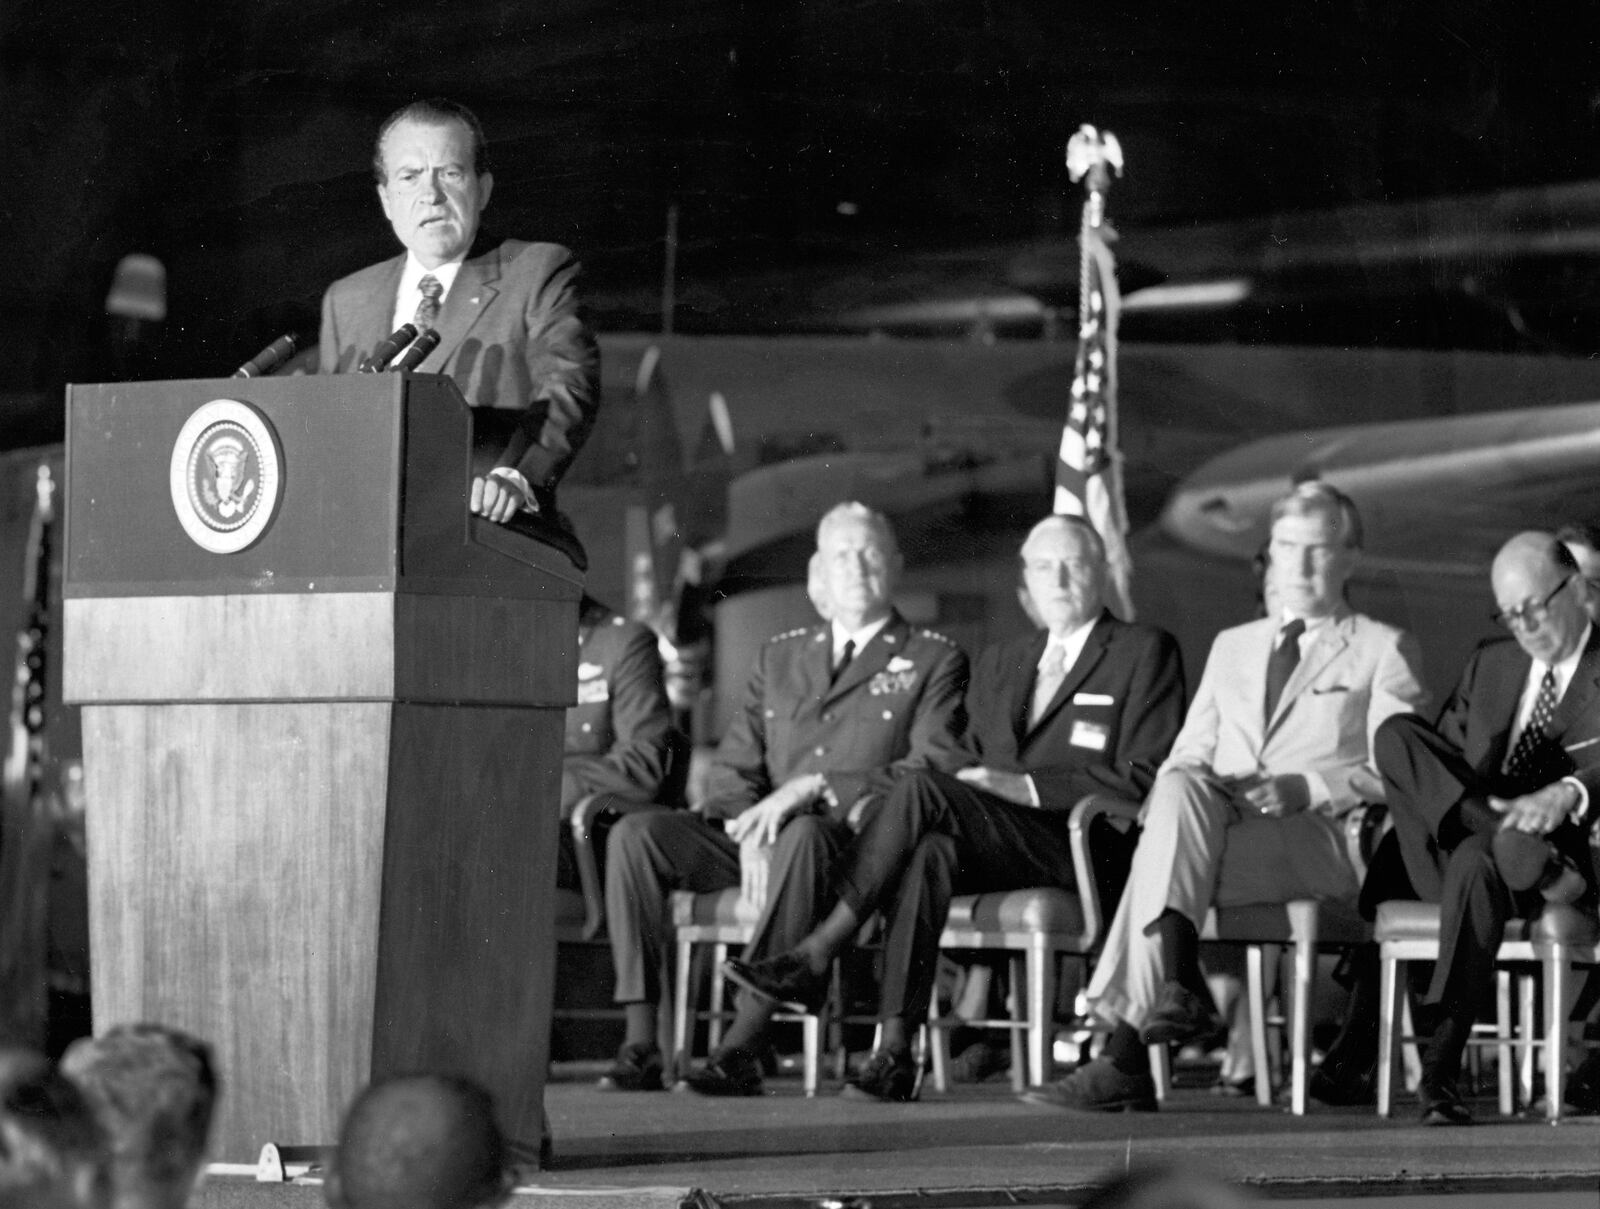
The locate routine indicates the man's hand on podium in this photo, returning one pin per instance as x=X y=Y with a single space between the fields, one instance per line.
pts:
x=499 y=497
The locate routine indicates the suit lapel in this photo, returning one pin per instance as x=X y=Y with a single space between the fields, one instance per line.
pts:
x=376 y=311
x=1581 y=702
x=1020 y=686
x=1094 y=649
x=475 y=287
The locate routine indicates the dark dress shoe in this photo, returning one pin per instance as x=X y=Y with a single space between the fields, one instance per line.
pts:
x=1096 y=1087
x=638 y=1068
x=785 y=979
x=733 y=1071
x=1179 y=1017
x=1441 y=1104
x=980 y=1061
x=890 y=1075
x=1347 y=1076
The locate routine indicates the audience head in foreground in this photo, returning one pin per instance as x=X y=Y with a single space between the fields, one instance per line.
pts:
x=419 y=1142
x=52 y=1150
x=154 y=1090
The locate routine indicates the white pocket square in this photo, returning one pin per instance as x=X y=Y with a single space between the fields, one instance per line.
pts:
x=1093 y=699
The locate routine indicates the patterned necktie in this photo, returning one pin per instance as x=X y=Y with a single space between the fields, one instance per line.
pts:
x=845 y=656
x=1052 y=671
x=428 y=308
x=1536 y=734
x=1285 y=658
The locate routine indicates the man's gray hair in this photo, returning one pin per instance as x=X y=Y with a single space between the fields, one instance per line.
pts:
x=1071 y=522
x=854 y=513
x=433 y=111
x=1317 y=498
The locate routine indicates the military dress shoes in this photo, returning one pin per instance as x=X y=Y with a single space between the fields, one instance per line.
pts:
x=1096 y=1087
x=1179 y=1017
x=785 y=979
x=731 y=1071
x=886 y=1075
x=638 y=1068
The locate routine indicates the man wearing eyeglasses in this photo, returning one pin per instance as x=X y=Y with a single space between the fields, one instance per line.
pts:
x=1492 y=804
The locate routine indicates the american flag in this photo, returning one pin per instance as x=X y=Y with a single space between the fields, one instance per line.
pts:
x=1088 y=466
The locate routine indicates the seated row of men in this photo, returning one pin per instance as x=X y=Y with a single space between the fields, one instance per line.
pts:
x=887 y=783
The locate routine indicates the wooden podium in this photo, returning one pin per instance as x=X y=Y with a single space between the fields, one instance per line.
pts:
x=323 y=770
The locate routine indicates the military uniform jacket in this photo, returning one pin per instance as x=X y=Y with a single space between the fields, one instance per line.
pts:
x=898 y=705
x=620 y=737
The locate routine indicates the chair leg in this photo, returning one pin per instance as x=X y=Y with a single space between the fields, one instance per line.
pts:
x=719 y=954
x=811 y=1026
x=1527 y=1034
x=1303 y=926
x=1161 y=1071
x=1256 y=1004
x=1041 y=1014
x=1016 y=1009
x=939 y=1047
x=682 y=1018
x=1555 y=1030
x=1388 y=1033
x=1503 y=1048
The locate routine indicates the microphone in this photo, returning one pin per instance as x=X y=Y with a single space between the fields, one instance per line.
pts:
x=386 y=352
x=418 y=352
x=269 y=358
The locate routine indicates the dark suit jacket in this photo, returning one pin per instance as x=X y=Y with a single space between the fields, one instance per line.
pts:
x=1479 y=714
x=510 y=337
x=897 y=706
x=1106 y=729
x=620 y=737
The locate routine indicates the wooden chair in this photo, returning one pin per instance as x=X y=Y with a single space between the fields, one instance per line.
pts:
x=1036 y=927
x=1561 y=937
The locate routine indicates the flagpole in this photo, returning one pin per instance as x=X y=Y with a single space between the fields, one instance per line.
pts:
x=1089 y=465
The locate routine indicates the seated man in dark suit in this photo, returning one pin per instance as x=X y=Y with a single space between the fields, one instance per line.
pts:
x=832 y=714
x=1246 y=809
x=507 y=319
x=1088 y=705
x=622 y=751
x=1492 y=805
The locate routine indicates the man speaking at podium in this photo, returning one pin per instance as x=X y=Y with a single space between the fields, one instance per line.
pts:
x=507 y=319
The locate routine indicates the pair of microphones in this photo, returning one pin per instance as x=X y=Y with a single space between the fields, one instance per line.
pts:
x=416 y=347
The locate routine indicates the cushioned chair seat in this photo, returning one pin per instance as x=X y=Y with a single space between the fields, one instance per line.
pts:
x=1402 y=921
x=724 y=908
x=1268 y=923
x=1034 y=910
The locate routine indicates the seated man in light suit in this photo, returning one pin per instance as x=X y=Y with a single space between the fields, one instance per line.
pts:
x=1088 y=704
x=832 y=714
x=1492 y=805
x=507 y=319
x=1275 y=748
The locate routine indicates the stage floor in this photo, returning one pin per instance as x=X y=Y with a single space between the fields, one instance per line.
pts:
x=977 y=1145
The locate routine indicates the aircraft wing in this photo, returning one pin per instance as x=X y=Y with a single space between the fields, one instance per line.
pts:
x=1437 y=495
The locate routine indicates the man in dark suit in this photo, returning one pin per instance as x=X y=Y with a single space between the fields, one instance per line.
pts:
x=507 y=320
x=1247 y=807
x=1492 y=805
x=622 y=751
x=1089 y=705
x=831 y=715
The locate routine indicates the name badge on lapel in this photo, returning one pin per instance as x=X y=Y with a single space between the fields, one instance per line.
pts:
x=1091 y=735
x=592 y=686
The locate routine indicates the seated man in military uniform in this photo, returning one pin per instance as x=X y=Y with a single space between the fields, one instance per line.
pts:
x=831 y=715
